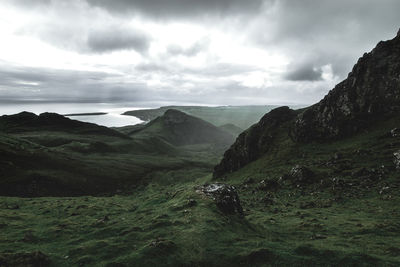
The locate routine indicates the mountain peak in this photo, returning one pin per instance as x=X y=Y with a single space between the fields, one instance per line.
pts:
x=371 y=90
x=179 y=128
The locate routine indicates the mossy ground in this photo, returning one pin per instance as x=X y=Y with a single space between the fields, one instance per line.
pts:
x=353 y=222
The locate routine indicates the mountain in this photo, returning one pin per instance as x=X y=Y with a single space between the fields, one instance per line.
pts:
x=50 y=155
x=51 y=122
x=256 y=140
x=231 y=128
x=179 y=129
x=242 y=116
x=370 y=94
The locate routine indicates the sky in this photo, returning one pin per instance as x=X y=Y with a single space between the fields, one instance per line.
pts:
x=221 y=52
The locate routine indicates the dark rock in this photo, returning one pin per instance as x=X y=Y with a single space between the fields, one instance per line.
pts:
x=191 y=203
x=395 y=132
x=254 y=142
x=268 y=185
x=34 y=259
x=268 y=200
x=371 y=90
x=307 y=205
x=225 y=197
x=29 y=237
x=104 y=219
x=301 y=175
x=396 y=159
x=163 y=244
x=249 y=181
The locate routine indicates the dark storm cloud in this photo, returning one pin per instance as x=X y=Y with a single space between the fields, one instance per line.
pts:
x=328 y=32
x=117 y=39
x=304 y=72
x=179 y=8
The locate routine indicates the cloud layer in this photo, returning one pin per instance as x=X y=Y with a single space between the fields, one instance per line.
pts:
x=188 y=51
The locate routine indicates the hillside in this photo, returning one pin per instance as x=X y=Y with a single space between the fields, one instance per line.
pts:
x=50 y=155
x=370 y=94
x=51 y=122
x=179 y=129
x=242 y=116
x=313 y=187
x=232 y=129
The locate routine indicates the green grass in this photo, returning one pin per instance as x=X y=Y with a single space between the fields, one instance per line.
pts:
x=352 y=223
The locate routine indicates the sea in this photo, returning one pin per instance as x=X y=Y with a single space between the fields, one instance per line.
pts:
x=112 y=118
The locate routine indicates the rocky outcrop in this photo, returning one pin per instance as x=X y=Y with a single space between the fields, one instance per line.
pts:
x=225 y=197
x=300 y=175
x=255 y=141
x=371 y=90
x=396 y=159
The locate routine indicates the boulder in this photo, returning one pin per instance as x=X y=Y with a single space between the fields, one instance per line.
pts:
x=396 y=160
x=301 y=175
x=225 y=197
x=395 y=132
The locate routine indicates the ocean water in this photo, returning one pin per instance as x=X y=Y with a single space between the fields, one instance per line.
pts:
x=113 y=118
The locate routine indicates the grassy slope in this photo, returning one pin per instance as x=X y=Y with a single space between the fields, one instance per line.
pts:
x=242 y=116
x=347 y=225
x=73 y=163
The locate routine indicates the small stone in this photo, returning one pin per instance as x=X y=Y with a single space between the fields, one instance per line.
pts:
x=191 y=203
x=396 y=159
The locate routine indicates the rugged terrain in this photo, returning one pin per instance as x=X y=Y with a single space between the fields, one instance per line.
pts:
x=317 y=186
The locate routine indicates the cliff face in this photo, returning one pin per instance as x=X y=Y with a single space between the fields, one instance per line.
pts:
x=255 y=141
x=371 y=90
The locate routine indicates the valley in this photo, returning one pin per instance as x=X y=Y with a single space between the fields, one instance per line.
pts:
x=313 y=186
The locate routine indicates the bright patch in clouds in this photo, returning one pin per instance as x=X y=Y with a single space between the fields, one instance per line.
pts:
x=218 y=52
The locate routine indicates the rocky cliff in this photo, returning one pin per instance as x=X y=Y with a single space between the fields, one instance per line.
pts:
x=371 y=92
x=255 y=141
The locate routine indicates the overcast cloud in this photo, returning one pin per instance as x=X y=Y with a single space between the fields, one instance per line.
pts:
x=187 y=51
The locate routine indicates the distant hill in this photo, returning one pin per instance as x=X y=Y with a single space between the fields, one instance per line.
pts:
x=242 y=116
x=232 y=129
x=27 y=121
x=179 y=128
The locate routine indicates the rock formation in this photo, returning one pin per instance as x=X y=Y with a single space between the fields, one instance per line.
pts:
x=255 y=141
x=371 y=90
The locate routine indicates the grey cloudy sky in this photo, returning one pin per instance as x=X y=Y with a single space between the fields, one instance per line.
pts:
x=226 y=52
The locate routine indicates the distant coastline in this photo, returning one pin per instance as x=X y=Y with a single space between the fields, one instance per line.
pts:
x=86 y=114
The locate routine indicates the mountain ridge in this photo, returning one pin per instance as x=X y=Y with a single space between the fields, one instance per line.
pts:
x=371 y=92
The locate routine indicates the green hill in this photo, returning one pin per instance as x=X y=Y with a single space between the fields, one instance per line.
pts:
x=313 y=187
x=179 y=129
x=242 y=116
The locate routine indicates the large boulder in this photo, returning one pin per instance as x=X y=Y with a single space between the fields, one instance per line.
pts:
x=225 y=197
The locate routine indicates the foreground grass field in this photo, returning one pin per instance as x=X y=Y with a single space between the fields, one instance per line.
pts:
x=349 y=216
